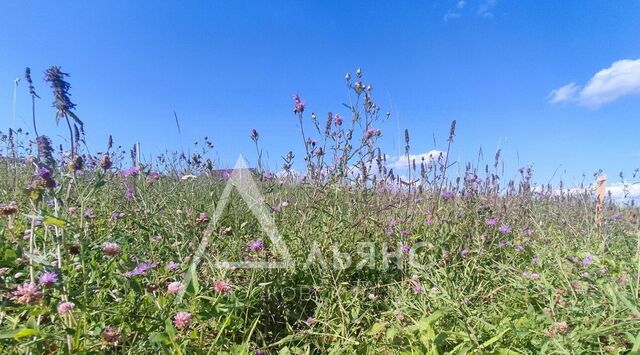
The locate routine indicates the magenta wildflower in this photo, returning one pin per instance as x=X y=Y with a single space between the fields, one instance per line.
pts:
x=202 y=218
x=110 y=249
x=153 y=177
x=310 y=321
x=88 y=213
x=222 y=286
x=175 y=287
x=141 y=269
x=417 y=288
x=255 y=245
x=132 y=171
x=65 y=307
x=587 y=260
x=406 y=249
x=48 y=279
x=182 y=320
x=298 y=104
x=372 y=132
x=492 y=221
x=43 y=172
x=505 y=229
x=115 y=215
x=337 y=120
x=172 y=266
x=519 y=248
x=27 y=293
x=465 y=252
x=129 y=192
x=447 y=194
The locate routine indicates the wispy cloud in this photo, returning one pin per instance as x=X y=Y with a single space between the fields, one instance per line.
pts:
x=486 y=8
x=428 y=157
x=564 y=94
x=451 y=16
x=622 y=78
x=623 y=192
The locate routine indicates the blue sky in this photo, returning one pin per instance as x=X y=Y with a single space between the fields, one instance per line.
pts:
x=229 y=66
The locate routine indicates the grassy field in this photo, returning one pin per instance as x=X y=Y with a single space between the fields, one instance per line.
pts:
x=101 y=255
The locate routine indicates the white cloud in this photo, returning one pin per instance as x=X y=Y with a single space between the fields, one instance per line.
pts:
x=450 y=16
x=566 y=93
x=622 y=78
x=624 y=192
x=621 y=193
x=486 y=7
x=429 y=157
x=461 y=4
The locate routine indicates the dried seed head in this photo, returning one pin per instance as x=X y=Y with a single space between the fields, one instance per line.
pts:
x=105 y=162
x=452 y=130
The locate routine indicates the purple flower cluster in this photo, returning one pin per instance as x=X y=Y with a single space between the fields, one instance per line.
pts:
x=491 y=221
x=132 y=171
x=255 y=245
x=141 y=269
x=298 y=104
x=48 y=279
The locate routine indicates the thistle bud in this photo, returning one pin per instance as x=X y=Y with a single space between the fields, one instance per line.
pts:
x=105 y=162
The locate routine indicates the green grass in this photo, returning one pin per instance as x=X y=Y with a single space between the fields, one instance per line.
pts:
x=479 y=303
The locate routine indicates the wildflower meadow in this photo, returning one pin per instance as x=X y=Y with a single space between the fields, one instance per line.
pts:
x=110 y=251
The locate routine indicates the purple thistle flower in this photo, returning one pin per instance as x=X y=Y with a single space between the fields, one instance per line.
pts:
x=48 y=279
x=255 y=245
x=171 y=266
x=298 y=104
x=372 y=132
x=535 y=261
x=447 y=194
x=43 y=173
x=337 y=120
x=128 y=193
x=406 y=249
x=587 y=260
x=464 y=252
x=491 y=221
x=88 y=213
x=310 y=321
x=115 y=215
x=519 y=248
x=132 y=171
x=141 y=269
x=65 y=307
x=505 y=229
